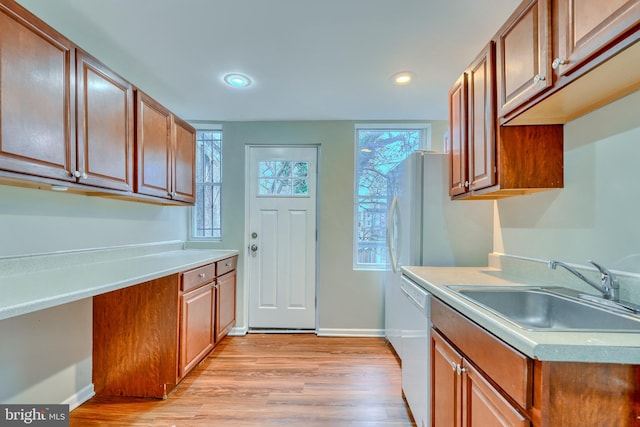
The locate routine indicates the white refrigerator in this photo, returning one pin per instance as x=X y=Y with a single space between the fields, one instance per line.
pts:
x=425 y=227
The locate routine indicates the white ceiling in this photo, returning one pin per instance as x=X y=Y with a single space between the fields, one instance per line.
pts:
x=309 y=59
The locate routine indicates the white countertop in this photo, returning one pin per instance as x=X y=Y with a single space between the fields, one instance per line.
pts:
x=33 y=283
x=546 y=346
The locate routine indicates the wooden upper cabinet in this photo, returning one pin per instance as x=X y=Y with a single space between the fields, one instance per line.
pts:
x=153 y=147
x=184 y=159
x=165 y=149
x=482 y=119
x=583 y=28
x=524 y=55
x=457 y=140
x=105 y=125
x=36 y=103
x=472 y=126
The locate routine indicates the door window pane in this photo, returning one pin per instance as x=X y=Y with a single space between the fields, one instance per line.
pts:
x=283 y=178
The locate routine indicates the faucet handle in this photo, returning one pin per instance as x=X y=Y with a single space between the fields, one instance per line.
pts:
x=602 y=270
x=608 y=281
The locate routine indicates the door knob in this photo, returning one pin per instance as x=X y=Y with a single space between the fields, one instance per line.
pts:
x=253 y=248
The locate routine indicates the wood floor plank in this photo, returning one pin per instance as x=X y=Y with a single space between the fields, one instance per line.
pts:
x=273 y=380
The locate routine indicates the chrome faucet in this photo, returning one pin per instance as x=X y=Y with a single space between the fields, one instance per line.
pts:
x=608 y=285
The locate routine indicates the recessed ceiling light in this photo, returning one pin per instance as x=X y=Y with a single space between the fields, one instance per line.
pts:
x=237 y=80
x=402 y=78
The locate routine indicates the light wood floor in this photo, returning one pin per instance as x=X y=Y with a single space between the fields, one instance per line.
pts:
x=273 y=380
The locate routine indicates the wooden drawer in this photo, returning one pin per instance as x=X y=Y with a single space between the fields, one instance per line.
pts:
x=197 y=277
x=226 y=265
x=509 y=369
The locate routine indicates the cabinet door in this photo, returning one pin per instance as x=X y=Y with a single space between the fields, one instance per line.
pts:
x=105 y=125
x=153 y=147
x=37 y=125
x=457 y=144
x=586 y=27
x=484 y=406
x=184 y=160
x=482 y=119
x=196 y=328
x=446 y=391
x=524 y=56
x=225 y=304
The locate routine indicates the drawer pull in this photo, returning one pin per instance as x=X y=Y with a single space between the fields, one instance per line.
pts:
x=201 y=275
x=228 y=264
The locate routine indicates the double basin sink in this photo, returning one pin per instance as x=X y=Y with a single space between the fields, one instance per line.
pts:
x=552 y=309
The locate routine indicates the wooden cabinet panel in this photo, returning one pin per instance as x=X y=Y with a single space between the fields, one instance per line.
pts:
x=135 y=339
x=484 y=406
x=482 y=119
x=524 y=55
x=225 y=304
x=105 y=125
x=196 y=328
x=153 y=147
x=446 y=391
x=37 y=108
x=587 y=394
x=184 y=159
x=586 y=27
x=457 y=141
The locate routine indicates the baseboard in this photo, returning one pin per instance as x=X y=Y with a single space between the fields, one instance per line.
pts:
x=328 y=332
x=324 y=332
x=80 y=397
x=238 y=331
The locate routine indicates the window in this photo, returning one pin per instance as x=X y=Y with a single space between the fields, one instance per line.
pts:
x=379 y=149
x=206 y=214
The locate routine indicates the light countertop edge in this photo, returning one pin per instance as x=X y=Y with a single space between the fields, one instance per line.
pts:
x=39 y=289
x=597 y=347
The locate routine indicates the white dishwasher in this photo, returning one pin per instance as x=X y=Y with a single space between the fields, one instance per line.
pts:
x=415 y=335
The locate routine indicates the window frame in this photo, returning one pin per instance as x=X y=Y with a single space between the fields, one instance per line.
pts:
x=424 y=144
x=216 y=127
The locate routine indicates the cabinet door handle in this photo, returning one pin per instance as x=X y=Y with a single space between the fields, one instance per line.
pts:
x=460 y=370
x=539 y=78
x=454 y=366
x=558 y=62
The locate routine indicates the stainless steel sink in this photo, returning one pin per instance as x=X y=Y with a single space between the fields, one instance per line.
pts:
x=548 y=309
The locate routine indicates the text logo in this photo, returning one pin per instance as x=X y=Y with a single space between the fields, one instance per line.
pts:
x=34 y=415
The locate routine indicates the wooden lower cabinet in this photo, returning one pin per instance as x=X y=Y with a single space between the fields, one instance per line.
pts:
x=478 y=380
x=462 y=396
x=148 y=337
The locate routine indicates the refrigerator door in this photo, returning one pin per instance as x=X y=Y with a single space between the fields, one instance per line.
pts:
x=403 y=240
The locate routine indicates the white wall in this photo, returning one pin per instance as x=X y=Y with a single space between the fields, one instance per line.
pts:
x=596 y=214
x=45 y=357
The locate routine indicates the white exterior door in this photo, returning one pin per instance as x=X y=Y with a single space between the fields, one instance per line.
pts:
x=282 y=237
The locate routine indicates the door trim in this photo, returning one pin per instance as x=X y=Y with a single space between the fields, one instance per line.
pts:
x=246 y=239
